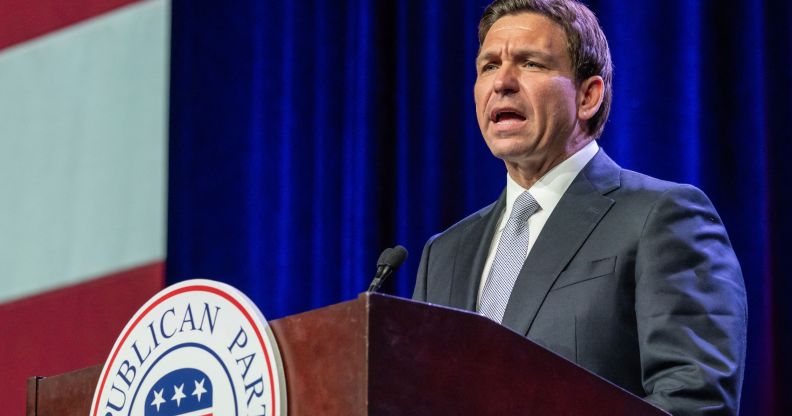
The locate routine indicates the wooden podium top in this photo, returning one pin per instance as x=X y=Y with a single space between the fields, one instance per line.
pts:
x=382 y=355
x=64 y=394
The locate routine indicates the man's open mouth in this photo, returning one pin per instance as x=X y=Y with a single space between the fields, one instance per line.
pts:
x=507 y=116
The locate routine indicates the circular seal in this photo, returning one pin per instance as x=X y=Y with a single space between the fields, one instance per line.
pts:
x=198 y=347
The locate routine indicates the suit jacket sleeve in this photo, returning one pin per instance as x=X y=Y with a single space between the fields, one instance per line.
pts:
x=690 y=307
x=419 y=293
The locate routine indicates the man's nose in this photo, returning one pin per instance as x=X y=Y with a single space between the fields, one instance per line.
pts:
x=506 y=80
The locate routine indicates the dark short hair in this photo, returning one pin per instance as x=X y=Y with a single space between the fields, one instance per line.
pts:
x=586 y=44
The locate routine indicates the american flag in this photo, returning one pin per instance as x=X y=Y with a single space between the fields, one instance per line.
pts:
x=183 y=392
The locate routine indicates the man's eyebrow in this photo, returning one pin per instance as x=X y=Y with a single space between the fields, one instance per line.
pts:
x=487 y=56
x=533 y=53
x=517 y=54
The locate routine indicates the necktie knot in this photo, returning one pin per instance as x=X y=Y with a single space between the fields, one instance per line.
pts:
x=524 y=206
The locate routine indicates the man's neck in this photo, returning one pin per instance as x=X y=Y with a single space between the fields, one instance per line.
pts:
x=528 y=171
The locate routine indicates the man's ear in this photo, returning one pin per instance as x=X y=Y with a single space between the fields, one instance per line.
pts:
x=589 y=97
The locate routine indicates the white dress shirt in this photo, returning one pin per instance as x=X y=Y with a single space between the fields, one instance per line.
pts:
x=547 y=191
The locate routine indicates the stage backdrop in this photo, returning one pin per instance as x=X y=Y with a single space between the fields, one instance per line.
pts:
x=307 y=136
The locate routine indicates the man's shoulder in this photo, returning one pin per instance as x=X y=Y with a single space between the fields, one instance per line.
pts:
x=613 y=180
x=642 y=186
x=640 y=196
x=461 y=227
x=637 y=182
x=638 y=193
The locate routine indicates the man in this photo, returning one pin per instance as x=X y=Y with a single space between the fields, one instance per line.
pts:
x=631 y=277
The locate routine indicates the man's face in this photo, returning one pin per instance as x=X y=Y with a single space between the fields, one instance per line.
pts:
x=525 y=90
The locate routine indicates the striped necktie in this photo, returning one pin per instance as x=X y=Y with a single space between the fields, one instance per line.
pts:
x=509 y=258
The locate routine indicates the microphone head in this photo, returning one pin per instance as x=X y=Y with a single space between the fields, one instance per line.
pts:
x=389 y=261
x=384 y=256
x=399 y=255
x=392 y=257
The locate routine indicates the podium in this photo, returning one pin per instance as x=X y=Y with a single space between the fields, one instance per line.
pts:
x=381 y=355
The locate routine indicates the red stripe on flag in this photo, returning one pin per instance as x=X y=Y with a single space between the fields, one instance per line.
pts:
x=69 y=328
x=22 y=20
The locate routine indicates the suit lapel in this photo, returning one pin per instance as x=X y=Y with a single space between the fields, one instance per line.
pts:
x=577 y=213
x=474 y=246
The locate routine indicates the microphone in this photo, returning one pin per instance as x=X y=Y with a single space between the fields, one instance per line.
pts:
x=389 y=261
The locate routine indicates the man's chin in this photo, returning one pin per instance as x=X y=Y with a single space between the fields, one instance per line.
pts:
x=511 y=152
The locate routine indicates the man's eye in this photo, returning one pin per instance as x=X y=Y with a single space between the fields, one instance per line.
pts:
x=532 y=64
x=488 y=67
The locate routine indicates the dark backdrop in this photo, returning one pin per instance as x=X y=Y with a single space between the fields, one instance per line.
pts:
x=307 y=136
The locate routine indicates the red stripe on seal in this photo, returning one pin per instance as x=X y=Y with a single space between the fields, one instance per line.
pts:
x=22 y=20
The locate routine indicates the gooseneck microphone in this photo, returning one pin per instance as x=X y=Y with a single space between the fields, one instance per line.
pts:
x=389 y=261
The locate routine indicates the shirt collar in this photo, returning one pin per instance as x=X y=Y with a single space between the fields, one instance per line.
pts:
x=549 y=189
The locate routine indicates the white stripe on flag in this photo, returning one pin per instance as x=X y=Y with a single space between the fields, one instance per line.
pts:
x=83 y=125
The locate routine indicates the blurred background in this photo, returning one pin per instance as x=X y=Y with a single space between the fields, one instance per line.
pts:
x=280 y=146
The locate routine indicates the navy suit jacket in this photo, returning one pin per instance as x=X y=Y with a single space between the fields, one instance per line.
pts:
x=631 y=277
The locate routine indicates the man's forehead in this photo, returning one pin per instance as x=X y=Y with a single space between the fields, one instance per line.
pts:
x=526 y=28
x=531 y=23
x=512 y=26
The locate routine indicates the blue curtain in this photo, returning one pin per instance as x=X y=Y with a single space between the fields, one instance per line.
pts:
x=307 y=136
